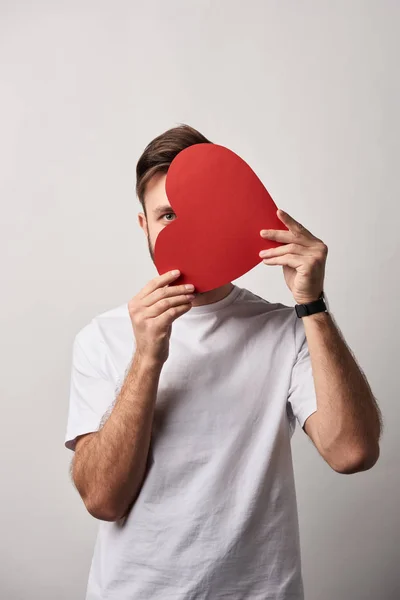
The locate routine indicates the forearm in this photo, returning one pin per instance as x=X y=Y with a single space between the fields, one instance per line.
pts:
x=349 y=420
x=111 y=465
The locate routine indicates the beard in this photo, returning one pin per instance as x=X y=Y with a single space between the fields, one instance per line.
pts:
x=151 y=250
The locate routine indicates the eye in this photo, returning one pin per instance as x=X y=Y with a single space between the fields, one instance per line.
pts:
x=170 y=213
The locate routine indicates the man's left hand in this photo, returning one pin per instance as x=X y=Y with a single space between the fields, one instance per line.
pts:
x=303 y=257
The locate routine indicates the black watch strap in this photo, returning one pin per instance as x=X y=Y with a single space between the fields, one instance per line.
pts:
x=302 y=310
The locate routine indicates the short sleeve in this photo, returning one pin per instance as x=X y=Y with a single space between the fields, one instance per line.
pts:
x=301 y=396
x=91 y=394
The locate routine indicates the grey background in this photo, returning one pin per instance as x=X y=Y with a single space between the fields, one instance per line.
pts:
x=307 y=93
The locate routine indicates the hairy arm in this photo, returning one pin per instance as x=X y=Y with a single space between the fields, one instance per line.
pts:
x=347 y=425
x=109 y=464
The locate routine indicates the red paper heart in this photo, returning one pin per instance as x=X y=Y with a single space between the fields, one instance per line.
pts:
x=221 y=206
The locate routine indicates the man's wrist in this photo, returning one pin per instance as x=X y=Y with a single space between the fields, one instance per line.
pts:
x=311 y=299
x=308 y=307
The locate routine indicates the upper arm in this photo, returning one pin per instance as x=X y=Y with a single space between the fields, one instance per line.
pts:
x=91 y=390
x=311 y=429
x=342 y=464
x=301 y=397
x=81 y=440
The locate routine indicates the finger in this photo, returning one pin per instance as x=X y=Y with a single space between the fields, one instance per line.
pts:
x=285 y=249
x=293 y=225
x=166 y=318
x=286 y=237
x=291 y=260
x=157 y=282
x=167 y=292
x=169 y=305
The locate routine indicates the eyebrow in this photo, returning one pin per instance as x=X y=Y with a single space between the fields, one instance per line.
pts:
x=161 y=209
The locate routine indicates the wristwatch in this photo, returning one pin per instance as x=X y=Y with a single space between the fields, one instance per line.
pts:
x=320 y=305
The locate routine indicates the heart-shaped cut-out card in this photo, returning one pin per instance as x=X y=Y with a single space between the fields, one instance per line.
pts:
x=220 y=206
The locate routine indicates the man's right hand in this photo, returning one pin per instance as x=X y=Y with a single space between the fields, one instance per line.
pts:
x=152 y=312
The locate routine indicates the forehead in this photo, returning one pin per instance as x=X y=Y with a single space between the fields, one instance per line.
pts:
x=156 y=197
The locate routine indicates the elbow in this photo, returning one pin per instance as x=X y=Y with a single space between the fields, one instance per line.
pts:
x=361 y=460
x=103 y=510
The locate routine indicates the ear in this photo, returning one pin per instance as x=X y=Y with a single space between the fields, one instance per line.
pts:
x=143 y=223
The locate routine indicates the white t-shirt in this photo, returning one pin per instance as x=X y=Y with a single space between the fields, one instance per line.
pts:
x=216 y=517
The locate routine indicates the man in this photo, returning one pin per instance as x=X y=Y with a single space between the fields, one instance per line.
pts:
x=182 y=434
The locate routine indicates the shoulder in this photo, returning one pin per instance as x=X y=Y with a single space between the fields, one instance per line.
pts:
x=257 y=305
x=265 y=319
x=97 y=336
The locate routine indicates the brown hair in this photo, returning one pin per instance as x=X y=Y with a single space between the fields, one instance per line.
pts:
x=160 y=152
